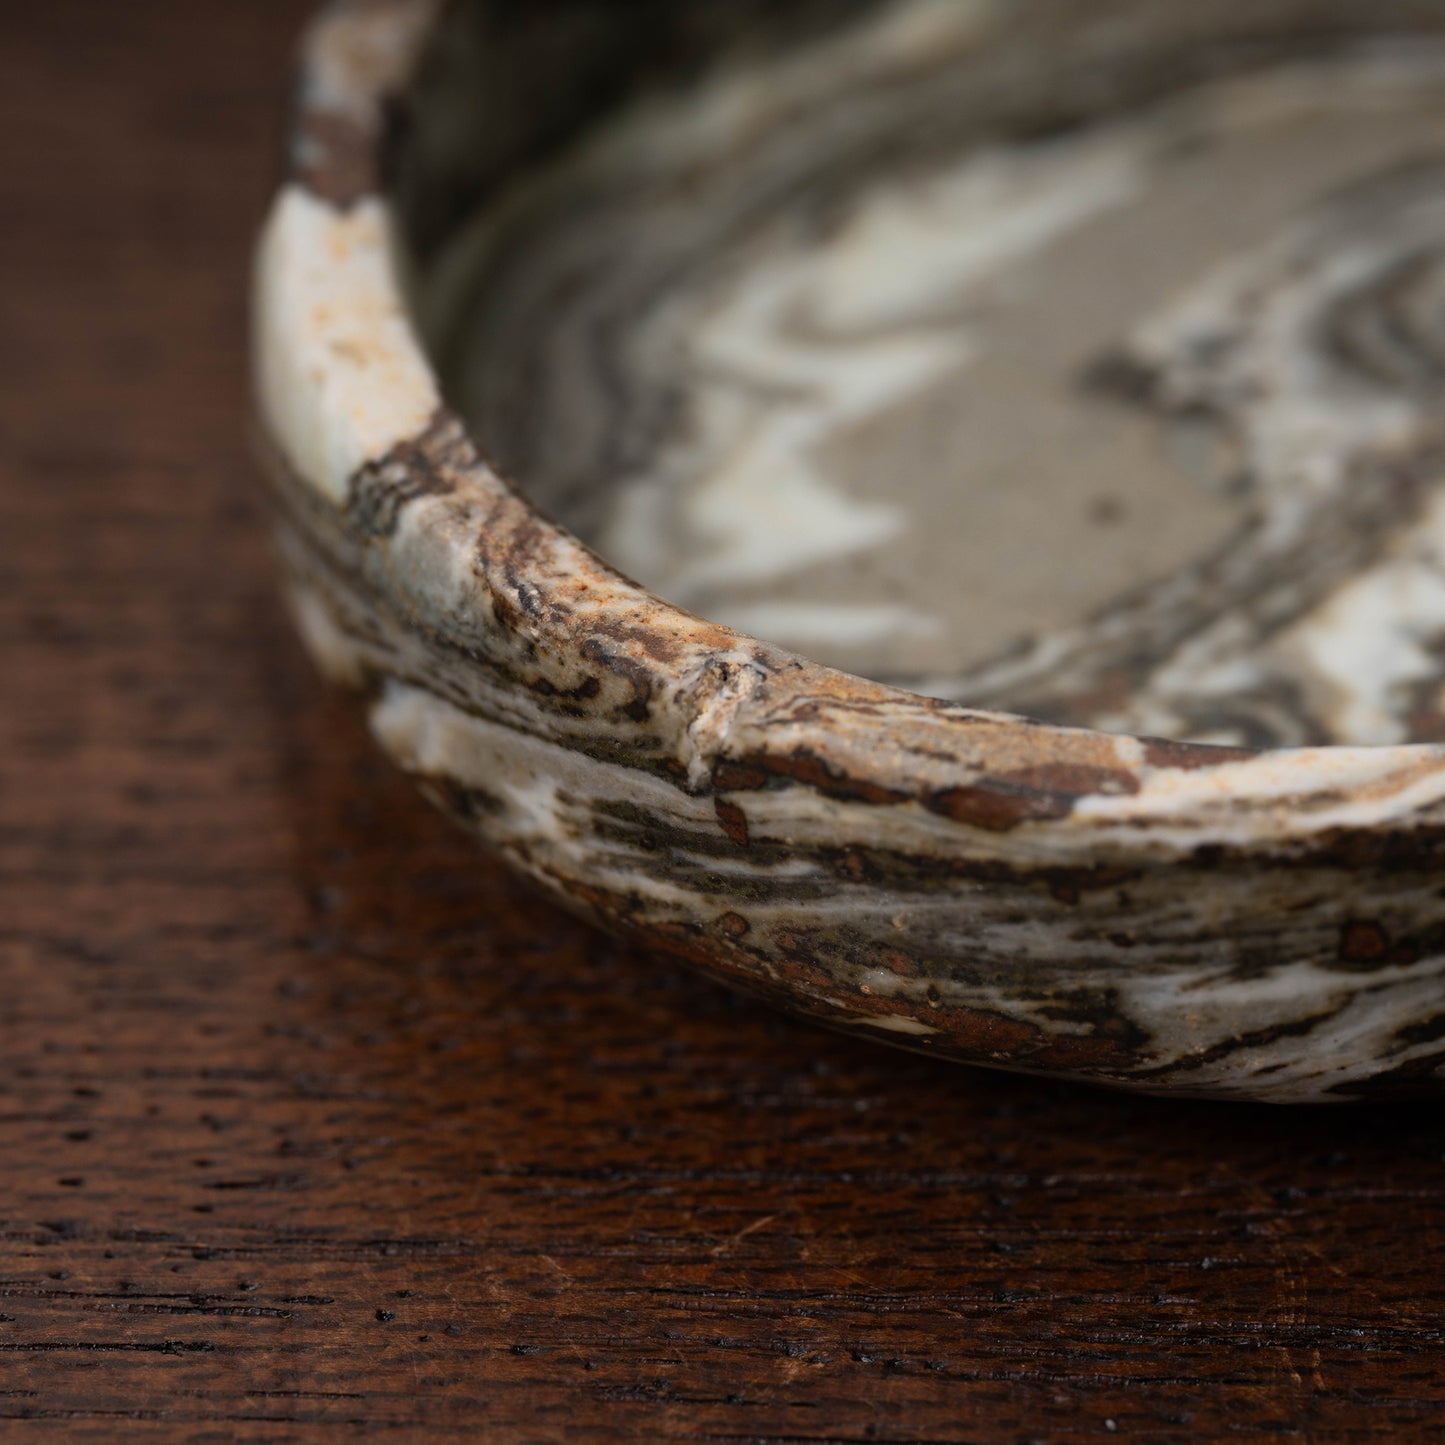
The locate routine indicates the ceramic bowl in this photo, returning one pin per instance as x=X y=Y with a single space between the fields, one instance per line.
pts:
x=1213 y=917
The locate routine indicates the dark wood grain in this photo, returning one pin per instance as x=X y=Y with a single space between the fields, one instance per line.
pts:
x=312 y=1120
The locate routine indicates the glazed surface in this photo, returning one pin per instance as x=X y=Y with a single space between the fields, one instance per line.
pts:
x=1132 y=425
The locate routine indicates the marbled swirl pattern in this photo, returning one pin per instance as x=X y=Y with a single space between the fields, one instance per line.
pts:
x=1034 y=896
x=800 y=386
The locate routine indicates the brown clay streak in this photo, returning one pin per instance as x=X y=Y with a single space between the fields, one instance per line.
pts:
x=760 y=770
x=1048 y=791
x=336 y=157
x=430 y=465
x=733 y=820
x=1165 y=753
x=998 y=804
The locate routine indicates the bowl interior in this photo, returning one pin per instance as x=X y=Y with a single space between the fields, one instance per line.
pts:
x=1079 y=360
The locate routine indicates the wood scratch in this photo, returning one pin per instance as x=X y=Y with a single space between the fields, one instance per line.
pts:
x=742 y=1234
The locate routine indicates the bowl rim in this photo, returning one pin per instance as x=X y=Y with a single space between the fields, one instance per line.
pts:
x=344 y=386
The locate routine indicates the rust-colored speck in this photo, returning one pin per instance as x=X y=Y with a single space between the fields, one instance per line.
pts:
x=733 y=820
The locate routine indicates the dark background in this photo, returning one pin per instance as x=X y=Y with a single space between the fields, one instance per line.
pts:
x=312 y=1119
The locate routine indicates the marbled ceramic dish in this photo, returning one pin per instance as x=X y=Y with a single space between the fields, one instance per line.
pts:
x=695 y=277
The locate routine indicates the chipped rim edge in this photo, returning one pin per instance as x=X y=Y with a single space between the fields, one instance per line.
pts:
x=350 y=383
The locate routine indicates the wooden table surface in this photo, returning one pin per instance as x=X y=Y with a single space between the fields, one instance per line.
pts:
x=316 y=1125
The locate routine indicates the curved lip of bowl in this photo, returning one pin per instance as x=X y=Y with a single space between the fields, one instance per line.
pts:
x=343 y=385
